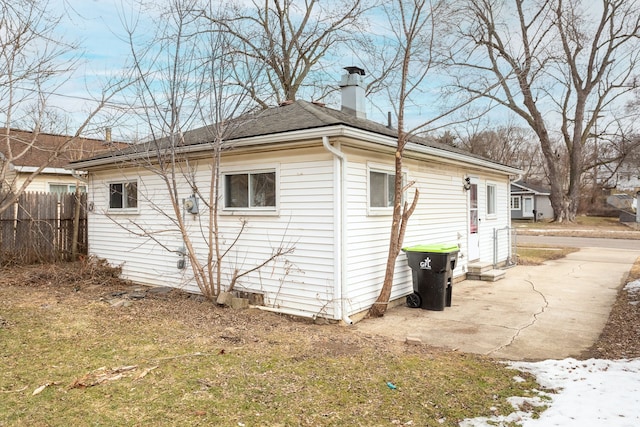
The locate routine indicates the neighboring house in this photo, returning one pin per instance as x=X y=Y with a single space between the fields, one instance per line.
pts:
x=530 y=201
x=626 y=179
x=25 y=152
x=315 y=176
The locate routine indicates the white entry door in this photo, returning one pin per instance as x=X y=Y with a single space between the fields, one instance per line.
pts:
x=527 y=206
x=474 y=222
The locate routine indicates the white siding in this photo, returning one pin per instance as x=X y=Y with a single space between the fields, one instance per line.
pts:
x=115 y=236
x=307 y=282
x=304 y=282
x=8 y=182
x=40 y=183
x=440 y=217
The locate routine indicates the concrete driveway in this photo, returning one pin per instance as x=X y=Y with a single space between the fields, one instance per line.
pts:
x=553 y=311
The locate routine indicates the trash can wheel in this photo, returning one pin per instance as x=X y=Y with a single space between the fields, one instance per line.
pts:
x=414 y=300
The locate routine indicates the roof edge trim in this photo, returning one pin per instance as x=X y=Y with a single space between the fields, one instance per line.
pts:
x=319 y=132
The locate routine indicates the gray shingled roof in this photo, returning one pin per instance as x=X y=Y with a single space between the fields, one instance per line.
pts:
x=521 y=186
x=294 y=116
x=302 y=115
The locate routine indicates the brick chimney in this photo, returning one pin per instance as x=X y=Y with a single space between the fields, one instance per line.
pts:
x=353 y=92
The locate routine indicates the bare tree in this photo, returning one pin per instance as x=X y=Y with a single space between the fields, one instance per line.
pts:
x=408 y=57
x=186 y=79
x=34 y=63
x=291 y=41
x=606 y=155
x=508 y=144
x=557 y=64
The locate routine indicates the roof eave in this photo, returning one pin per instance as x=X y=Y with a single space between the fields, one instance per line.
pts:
x=432 y=151
x=47 y=170
x=312 y=133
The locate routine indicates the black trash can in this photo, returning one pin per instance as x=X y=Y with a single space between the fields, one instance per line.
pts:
x=432 y=267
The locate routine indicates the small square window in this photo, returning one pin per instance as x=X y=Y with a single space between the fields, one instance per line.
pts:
x=250 y=190
x=123 y=195
x=381 y=189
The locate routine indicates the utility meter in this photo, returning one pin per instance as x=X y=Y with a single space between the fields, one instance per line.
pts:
x=191 y=204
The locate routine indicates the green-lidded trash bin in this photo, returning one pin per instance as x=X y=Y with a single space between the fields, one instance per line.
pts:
x=432 y=267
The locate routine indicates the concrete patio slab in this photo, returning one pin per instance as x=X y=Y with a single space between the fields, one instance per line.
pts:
x=553 y=311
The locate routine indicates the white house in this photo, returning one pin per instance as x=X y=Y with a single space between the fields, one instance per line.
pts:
x=313 y=176
x=627 y=178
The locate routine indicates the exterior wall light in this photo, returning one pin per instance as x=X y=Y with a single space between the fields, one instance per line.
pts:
x=467 y=184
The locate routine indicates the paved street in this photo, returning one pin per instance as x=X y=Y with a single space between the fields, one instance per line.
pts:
x=580 y=242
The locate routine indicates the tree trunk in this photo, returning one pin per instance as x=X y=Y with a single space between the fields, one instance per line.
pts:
x=401 y=215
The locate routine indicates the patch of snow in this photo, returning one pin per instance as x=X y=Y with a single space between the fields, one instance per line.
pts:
x=633 y=287
x=579 y=393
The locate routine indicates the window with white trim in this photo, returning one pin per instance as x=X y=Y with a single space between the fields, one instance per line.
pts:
x=491 y=199
x=123 y=195
x=515 y=203
x=65 y=188
x=381 y=189
x=250 y=190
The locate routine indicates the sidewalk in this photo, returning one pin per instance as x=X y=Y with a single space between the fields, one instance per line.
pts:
x=553 y=311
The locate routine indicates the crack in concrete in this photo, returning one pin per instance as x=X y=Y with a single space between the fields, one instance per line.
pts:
x=533 y=322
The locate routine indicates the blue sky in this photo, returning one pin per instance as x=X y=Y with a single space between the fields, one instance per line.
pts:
x=98 y=26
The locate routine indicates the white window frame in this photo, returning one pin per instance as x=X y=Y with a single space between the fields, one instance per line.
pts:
x=492 y=203
x=518 y=205
x=124 y=209
x=252 y=210
x=388 y=171
x=71 y=188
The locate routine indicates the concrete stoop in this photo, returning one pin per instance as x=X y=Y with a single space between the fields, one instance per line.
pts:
x=484 y=271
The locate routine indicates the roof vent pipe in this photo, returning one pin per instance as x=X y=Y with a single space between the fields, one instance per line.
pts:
x=353 y=92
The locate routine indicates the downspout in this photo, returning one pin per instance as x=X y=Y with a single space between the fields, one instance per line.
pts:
x=340 y=221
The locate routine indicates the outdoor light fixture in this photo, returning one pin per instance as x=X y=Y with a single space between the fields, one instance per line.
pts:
x=467 y=184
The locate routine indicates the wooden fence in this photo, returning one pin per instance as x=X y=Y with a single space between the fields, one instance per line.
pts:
x=39 y=228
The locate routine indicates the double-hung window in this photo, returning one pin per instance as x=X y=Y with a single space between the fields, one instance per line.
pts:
x=250 y=190
x=123 y=195
x=491 y=199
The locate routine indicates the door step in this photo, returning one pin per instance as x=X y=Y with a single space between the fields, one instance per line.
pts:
x=484 y=271
x=478 y=268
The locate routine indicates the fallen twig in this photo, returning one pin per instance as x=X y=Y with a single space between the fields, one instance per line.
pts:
x=101 y=375
x=144 y=373
x=14 y=391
